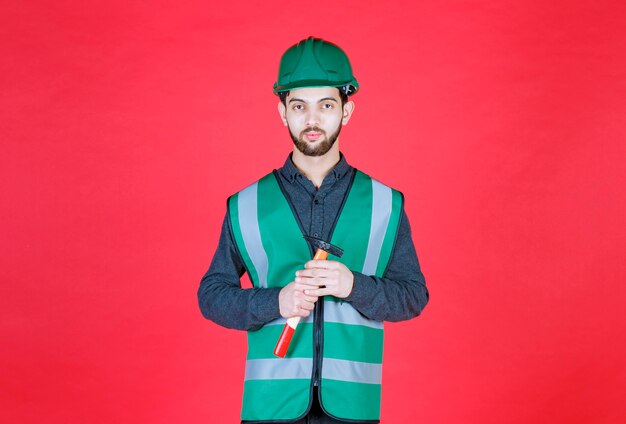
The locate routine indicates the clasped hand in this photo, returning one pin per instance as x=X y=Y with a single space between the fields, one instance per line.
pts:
x=318 y=278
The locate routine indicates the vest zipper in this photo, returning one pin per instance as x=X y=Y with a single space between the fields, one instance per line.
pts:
x=318 y=318
x=317 y=339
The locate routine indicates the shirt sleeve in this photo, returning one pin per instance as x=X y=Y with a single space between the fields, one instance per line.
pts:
x=221 y=297
x=401 y=293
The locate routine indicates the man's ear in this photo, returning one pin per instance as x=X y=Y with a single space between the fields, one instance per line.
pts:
x=348 y=108
x=282 y=110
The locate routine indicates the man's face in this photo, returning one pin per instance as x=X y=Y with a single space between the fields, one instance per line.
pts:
x=314 y=117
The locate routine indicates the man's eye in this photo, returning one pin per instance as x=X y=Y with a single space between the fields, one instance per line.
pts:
x=327 y=106
x=298 y=107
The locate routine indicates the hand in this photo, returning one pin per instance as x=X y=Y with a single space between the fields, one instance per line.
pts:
x=328 y=277
x=293 y=302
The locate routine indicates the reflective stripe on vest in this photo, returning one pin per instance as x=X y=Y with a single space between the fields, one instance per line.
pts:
x=264 y=369
x=270 y=242
x=247 y=207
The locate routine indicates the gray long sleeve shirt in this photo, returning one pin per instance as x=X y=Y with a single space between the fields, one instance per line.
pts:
x=400 y=294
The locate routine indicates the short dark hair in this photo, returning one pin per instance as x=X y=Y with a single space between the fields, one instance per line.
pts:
x=342 y=95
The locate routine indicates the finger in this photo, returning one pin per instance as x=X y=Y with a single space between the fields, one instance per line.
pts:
x=306 y=305
x=304 y=297
x=316 y=282
x=300 y=286
x=315 y=272
x=301 y=294
x=320 y=264
x=309 y=298
x=311 y=292
x=320 y=292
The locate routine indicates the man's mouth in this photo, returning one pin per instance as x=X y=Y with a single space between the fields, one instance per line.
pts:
x=312 y=135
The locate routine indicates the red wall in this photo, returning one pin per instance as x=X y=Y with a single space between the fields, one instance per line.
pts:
x=125 y=125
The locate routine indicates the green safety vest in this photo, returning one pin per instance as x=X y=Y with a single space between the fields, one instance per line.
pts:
x=269 y=239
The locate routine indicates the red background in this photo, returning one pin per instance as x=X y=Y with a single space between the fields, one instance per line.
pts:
x=125 y=125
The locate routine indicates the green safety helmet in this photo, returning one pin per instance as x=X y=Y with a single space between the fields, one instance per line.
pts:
x=315 y=63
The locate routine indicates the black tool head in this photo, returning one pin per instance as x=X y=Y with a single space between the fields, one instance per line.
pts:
x=324 y=245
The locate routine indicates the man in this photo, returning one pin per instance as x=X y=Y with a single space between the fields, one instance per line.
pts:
x=332 y=370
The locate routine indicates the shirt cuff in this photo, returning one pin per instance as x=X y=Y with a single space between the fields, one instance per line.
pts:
x=265 y=304
x=363 y=290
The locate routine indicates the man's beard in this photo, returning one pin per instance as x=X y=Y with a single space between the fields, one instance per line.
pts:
x=322 y=148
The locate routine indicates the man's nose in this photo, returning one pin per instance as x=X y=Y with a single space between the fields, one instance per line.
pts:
x=312 y=118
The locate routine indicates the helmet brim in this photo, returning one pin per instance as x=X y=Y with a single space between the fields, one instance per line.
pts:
x=315 y=83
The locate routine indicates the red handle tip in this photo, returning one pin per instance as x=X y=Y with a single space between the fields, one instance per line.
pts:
x=283 y=341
